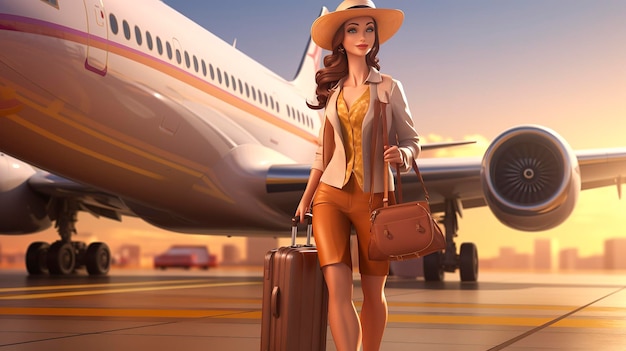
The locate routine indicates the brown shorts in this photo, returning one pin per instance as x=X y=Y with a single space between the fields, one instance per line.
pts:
x=335 y=211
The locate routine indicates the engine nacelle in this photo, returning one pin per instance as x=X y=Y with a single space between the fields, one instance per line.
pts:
x=531 y=178
x=22 y=211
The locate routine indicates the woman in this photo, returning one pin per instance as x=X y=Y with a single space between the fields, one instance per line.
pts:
x=340 y=179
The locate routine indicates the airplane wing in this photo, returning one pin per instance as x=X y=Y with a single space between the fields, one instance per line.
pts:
x=88 y=199
x=529 y=177
x=603 y=167
x=454 y=184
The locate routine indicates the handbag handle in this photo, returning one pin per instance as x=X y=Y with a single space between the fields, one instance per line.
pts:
x=380 y=109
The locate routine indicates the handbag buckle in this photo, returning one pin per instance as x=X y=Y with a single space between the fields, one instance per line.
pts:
x=388 y=234
x=373 y=215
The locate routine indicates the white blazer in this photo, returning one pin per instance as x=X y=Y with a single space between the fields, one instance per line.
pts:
x=399 y=121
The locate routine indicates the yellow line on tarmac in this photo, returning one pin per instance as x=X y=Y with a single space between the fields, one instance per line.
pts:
x=112 y=312
x=602 y=323
x=509 y=321
x=122 y=290
x=102 y=285
x=483 y=306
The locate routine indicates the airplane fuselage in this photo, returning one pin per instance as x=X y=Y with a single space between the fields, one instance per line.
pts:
x=149 y=105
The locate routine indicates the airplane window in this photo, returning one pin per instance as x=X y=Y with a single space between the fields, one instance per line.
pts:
x=195 y=63
x=226 y=79
x=149 y=40
x=272 y=102
x=253 y=94
x=219 y=76
x=113 y=24
x=265 y=95
x=299 y=117
x=187 y=61
x=260 y=96
x=203 y=68
x=126 y=29
x=240 y=86
x=234 y=83
x=288 y=112
x=247 y=90
x=159 y=45
x=138 y=35
x=277 y=107
x=211 y=71
x=169 y=49
x=179 y=57
x=54 y=3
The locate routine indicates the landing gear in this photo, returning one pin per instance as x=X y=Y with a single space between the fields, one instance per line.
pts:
x=64 y=256
x=36 y=258
x=61 y=258
x=433 y=267
x=466 y=261
x=98 y=259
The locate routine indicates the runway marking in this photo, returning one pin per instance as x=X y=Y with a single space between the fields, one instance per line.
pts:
x=113 y=312
x=483 y=306
x=602 y=323
x=563 y=320
x=82 y=286
x=122 y=290
x=508 y=321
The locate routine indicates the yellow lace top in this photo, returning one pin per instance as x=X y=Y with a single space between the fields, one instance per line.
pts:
x=351 y=129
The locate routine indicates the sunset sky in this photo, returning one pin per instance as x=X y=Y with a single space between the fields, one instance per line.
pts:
x=470 y=70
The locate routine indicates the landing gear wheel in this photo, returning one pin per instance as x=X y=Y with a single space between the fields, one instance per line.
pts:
x=433 y=268
x=36 y=258
x=61 y=258
x=468 y=262
x=98 y=259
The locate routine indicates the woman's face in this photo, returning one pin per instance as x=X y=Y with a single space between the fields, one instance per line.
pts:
x=359 y=36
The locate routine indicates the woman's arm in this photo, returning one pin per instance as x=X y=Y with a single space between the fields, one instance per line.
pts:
x=307 y=197
x=408 y=139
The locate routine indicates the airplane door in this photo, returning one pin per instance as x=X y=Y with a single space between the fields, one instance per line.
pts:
x=97 y=50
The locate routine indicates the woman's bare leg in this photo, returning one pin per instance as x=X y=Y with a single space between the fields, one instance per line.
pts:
x=374 y=311
x=342 y=316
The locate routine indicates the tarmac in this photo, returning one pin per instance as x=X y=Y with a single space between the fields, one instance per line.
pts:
x=220 y=309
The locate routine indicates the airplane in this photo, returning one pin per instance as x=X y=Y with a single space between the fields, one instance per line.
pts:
x=109 y=111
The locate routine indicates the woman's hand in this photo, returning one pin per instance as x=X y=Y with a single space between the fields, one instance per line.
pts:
x=311 y=186
x=393 y=155
x=303 y=208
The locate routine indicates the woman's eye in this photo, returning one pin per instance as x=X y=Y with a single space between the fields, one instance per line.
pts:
x=351 y=30
x=370 y=29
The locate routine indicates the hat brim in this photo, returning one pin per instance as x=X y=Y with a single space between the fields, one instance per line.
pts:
x=388 y=21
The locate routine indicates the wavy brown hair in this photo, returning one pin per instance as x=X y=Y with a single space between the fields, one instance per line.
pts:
x=336 y=67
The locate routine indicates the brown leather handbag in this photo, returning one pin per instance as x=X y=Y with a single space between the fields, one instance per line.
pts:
x=403 y=230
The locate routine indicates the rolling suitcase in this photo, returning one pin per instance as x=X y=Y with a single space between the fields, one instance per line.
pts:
x=295 y=297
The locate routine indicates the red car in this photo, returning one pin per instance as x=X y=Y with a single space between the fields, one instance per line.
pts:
x=185 y=256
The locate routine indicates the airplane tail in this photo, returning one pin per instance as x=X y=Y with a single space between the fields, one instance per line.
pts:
x=311 y=62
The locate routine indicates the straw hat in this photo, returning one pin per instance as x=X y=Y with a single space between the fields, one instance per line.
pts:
x=324 y=28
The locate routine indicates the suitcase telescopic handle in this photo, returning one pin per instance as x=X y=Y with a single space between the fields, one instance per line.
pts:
x=309 y=228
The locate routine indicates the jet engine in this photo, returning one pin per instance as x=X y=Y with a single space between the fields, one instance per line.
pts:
x=22 y=211
x=531 y=178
